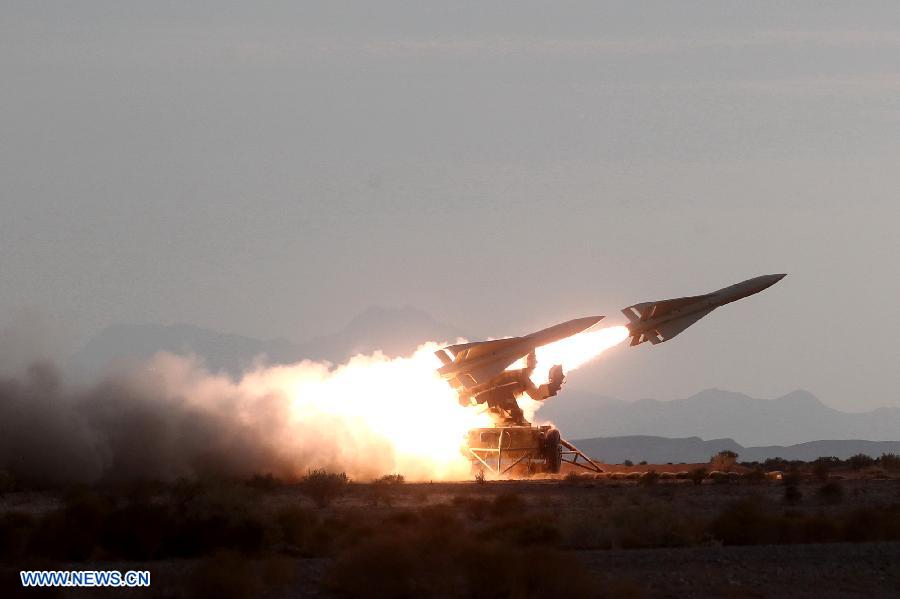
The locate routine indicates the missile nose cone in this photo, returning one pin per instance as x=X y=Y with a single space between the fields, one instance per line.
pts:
x=767 y=281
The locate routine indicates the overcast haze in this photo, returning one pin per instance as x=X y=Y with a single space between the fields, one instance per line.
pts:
x=274 y=169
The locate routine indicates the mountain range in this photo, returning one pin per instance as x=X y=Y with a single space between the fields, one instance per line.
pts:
x=797 y=417
x=661 y=450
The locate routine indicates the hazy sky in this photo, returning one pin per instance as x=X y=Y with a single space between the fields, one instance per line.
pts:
x=274 y=169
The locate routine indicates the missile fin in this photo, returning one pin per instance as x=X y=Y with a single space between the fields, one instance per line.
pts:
x=631 y=314
x=673 y=328
x=443 y=357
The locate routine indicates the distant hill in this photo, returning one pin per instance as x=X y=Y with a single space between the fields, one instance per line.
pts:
x=395 y=331
x=713 y=414
x=661 y=450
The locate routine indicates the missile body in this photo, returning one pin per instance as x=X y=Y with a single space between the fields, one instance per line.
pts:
x=473 y=366
x=657 y=322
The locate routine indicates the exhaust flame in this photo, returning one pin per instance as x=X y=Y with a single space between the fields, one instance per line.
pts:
x=575 y=351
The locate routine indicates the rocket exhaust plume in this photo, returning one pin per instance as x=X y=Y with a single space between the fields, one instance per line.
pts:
x=171 y=418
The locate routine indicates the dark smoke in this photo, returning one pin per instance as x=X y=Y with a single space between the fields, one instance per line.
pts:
x=133 y=426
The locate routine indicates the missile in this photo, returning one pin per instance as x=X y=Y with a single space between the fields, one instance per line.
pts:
x=472 y=366
x=657 y=322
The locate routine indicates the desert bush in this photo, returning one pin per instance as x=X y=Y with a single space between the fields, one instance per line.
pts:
x=479 y=477
x=628 y=463
x=324 y=487
x=860 y=461
x=890 y=462
x=724 y=460
x=820 y=470
x=390 y=479
x=697 y=475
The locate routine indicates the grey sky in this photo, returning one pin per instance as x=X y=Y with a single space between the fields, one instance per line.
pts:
x=274 y=169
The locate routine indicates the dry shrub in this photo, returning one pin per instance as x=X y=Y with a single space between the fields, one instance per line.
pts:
x=390 y=479
x=697 y=475
x=890 y=462
x=324 y=487
x=724 y=460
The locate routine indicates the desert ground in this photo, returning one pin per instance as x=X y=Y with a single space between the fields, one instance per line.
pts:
x=834 y=535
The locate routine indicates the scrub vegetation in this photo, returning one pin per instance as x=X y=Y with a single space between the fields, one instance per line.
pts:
x=329 y=536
